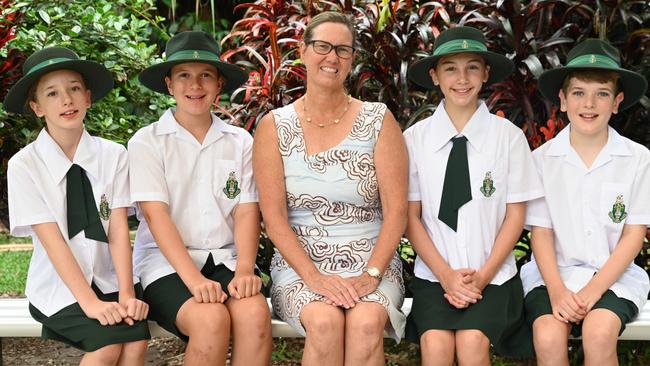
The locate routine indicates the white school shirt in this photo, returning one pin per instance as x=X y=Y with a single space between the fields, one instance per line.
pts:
x=37 y=194
x=494 y=146
x=577 y=206
x=169 y=165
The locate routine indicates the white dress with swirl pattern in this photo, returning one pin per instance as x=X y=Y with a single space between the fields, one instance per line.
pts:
x=335 y=210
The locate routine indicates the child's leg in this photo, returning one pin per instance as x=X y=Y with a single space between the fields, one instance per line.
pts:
x=599 y=335
x=550 y=337
x=132 y=353
x=105 y=356
x=438 y=347
x=251 y=331
x=472 y=347
x=208 y=327
x=364 y=334
x=325 y=326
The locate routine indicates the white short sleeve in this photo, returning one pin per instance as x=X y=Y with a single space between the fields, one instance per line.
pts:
x=121 y=195
x=146 y=172
x=26 y=204
x=524 y=183
x=538 y=214
x=639 y=204
x=248 y=188
x=414 y=180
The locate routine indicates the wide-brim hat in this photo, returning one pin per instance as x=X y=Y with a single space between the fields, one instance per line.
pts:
x=191 y=47
x=96 y=77
x=594 y=54
x=460 y=40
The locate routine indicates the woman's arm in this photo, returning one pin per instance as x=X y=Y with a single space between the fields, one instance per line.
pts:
x=269 y=177
x=391 y=165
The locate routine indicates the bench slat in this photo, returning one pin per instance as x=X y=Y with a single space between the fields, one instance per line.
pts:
x=15 y=321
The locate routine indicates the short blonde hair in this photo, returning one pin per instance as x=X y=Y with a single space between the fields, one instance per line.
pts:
x=330 y=17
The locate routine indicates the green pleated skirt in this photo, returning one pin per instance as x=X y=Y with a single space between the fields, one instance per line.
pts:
x=70 y=325
x=499 y=315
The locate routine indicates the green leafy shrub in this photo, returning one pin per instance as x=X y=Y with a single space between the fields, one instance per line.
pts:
x=115 y=33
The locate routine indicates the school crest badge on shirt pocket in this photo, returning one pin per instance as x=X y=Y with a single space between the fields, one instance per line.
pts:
x=488 y=188
x=231 y=190
x=618 y=214
x=104 y=209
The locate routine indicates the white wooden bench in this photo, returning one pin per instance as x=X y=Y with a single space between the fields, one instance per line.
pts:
x=15 y=321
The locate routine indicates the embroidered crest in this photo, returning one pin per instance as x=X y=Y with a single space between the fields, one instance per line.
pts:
x=593 y=59
x=465 y=45
x=195 y=54
x=104 y=210
x=488 y=185
x=618 y=214
x=231 y=190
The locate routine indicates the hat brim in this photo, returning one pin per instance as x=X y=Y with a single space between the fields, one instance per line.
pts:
x=153 y=77
x=97 y=78
x=633 y=85
x=500 y=68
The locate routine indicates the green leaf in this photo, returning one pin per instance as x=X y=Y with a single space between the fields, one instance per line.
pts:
x=76 y=29
x=46 y=17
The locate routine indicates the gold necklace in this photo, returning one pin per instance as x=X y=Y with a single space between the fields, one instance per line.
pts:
x=334 y=122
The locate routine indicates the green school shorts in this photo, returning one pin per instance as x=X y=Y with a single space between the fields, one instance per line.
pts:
x=538 y=303
x=70 y=325
x=167 y=294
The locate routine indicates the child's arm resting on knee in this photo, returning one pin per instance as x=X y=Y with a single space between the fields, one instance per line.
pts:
x=107 y=313
x=119 y=245
x=626 y=250
x=567 y=306
x=458 y=293
x=171 y=245
x=247 y=236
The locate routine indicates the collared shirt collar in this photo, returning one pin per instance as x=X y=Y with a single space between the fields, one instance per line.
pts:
x=615 y=146
x=474 y=130
x=168 y=125
x=58 y=164
x=561 y=145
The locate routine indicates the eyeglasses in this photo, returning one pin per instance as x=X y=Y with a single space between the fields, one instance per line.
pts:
x=324 y=48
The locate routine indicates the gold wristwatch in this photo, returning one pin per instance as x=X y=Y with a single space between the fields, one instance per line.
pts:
x=373 y=272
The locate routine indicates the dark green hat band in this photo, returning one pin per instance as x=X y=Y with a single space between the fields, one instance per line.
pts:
x=462 y=45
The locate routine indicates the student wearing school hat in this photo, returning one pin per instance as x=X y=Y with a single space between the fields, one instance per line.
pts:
x=590 y=224
x=470 y=176
x=192 y=180
x=69 y=191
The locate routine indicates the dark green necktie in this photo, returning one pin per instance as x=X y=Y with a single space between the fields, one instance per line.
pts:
x=456 y=190
x=82 y=211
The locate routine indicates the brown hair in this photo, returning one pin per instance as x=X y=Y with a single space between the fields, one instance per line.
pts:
x=330 y=17
x=593 y=75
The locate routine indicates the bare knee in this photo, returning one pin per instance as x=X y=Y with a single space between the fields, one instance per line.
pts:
x=600 y=335
x=472 y=347
x=329 y=324
x=438 y=345
x=550 y=337
x=134 y=349
x=252 y=316
x=107 y=355
x=207 y=322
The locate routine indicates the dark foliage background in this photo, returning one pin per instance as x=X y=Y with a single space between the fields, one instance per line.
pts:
x=263 y=37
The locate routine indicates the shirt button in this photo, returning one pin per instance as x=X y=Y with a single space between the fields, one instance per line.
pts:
x=206 y=241
x=589 y=232
x=205 y=212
